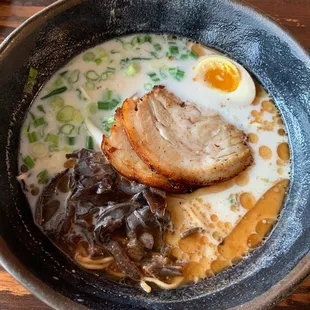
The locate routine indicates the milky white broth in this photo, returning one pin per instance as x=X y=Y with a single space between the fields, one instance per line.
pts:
x=103 y=73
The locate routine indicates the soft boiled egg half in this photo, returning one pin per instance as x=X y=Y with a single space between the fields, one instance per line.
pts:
x=226 y=79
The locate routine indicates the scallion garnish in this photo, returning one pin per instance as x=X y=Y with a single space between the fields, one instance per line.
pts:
x=89 y=56
x=66 y=114
x=105 y=75
x=57 y=102
x=71 y=140
x=179 y=75
x=39 y=122
x=43 y=177
x=110 y=69
x=89 y=143
x=32 y=115
x=132 y=69
x=91 y=108
x=148 y=38
x=184 y=57
x=74 y=76
x=63 y=74
x=41 y=108
x=172 y=71
x=115 y=52
x=162 y=72
x=98 y=61
x=55 y=92
x=52 y=139
x=140 y=58
x=66 y=129
x=92 y=75
x=107 y=95
x=107 y=105
x=29 y=162
x=148 y=86
x=153 y=76
x=90 y=85
x=157 y=47
x=32 y=137
x=174 y=50
x=193 y=55
x=31 y=81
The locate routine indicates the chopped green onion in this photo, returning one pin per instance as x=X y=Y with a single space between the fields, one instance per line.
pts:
x=57 y=83
x=28 y=128
x=57 y=102
x=153 y=76
x=39 y=122
x=32 y=137
x=148 y=86
x=184 y=57
x=115 y=52
x=71 y=140
x=135 y=40
x=90 y=85
x=157 y=47
x=63 y=74
x=41 y=108
x=31 y=81
x=174 y=50
x=39 y=150
x=162 y=72
x=132 y=69
x=32 y=115
x=101 y=52
x=66 y=114
x=89 y=143
x=89 y=56
x=29 y=162
x=172 y=43
x=42 y=130
x=66 y=129
x=140 y=58
x=179 y=75
x=55 y=92
x=43 y=177
x=52 y=139
x=172 y=71
x=148 y=38
x=74 y=76
x=105 y=75
x=110 y=69
x=107 y=95
x=193 y=55
x=107 y=105
x=91 y=108
x=98 y=61
x=92 y=75
x=108 y=123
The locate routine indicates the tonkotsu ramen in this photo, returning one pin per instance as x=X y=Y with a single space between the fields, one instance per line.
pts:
x=154 y=160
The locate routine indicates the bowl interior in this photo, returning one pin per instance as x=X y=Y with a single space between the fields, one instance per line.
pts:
x=68 y=28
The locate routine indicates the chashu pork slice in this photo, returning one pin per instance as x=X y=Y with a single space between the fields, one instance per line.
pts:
x=180 y=142
x=125 y=160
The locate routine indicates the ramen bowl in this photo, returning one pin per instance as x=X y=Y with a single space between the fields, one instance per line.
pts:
x=48 y=41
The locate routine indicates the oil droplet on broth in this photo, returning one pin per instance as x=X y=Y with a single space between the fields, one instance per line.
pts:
x=253 y=137
x=283 y=151
x=265 y=152
x=264 y=226
x=247 y=200
x=254 y=240
x=281 y=132
x=242 y=179
x=268 y=106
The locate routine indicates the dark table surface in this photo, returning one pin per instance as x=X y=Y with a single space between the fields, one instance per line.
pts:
x=294 y=15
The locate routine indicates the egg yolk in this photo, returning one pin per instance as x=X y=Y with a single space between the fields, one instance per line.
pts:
x=220 y=73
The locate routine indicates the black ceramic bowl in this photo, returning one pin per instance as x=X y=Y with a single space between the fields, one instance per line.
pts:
x=51 y=38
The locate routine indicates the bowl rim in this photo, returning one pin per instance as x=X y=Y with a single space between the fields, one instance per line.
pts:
x=58 y=301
